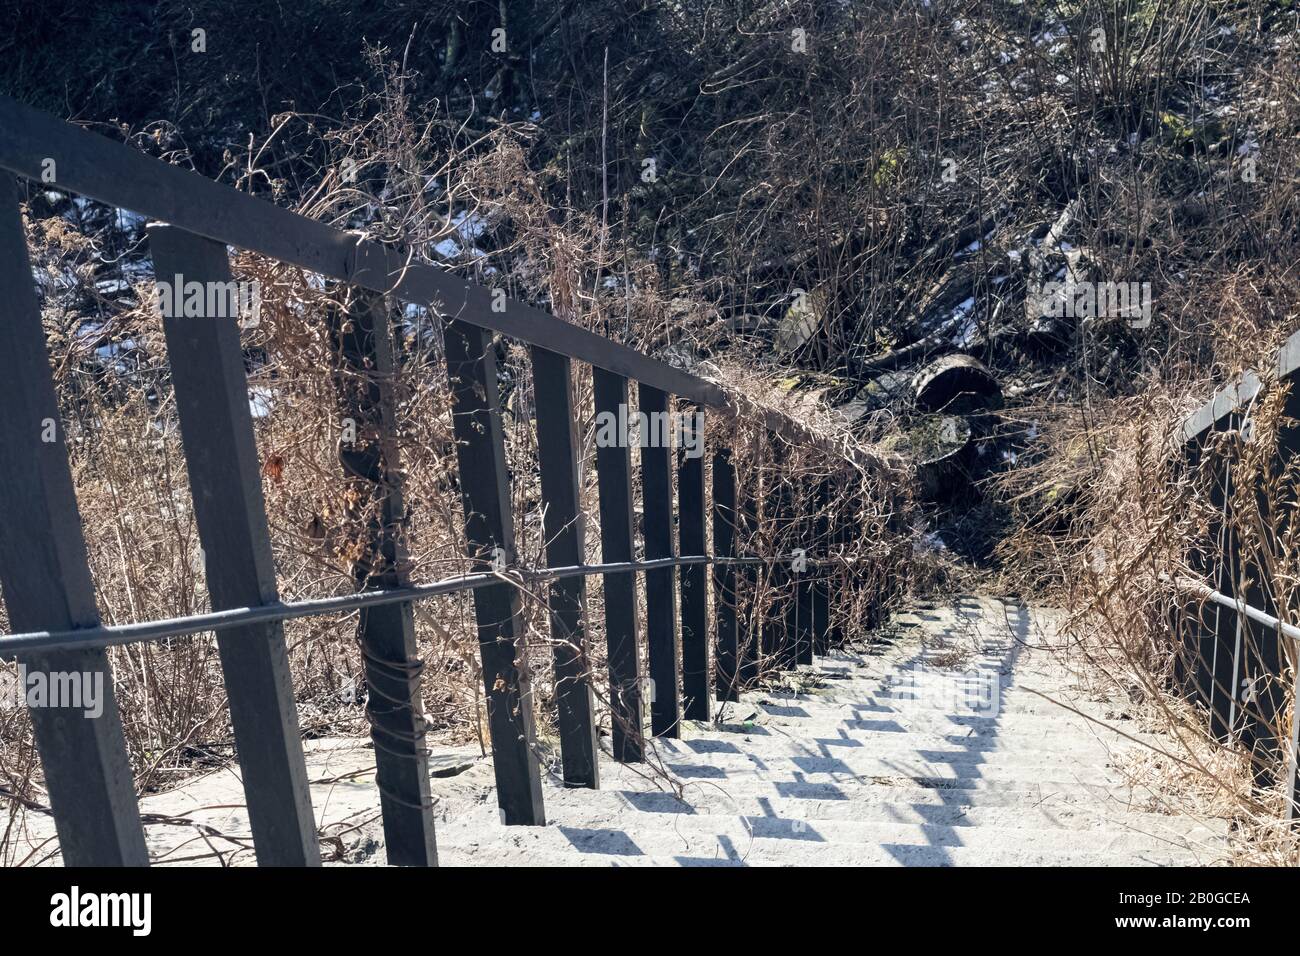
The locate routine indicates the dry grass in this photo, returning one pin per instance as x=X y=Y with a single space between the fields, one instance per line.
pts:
x=1135 y=520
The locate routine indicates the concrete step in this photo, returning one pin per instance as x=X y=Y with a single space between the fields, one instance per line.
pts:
x=922 y=807
x=530 y=856
x=866 y=705
x=948 y=696
x=590 y=821
x=876 y=755
x=852 y=792
x=1009 y=679
x=748 y=778
x=876 y=717
x=576 y=844
x=1081 y=741
x=893 y=737
x=1037 y=669
x=1013 y=688
x=549 y=859
x=722 y=767
x=881 y=747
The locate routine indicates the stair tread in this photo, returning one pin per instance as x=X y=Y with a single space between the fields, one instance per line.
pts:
x=670 y=843
x=946 y=808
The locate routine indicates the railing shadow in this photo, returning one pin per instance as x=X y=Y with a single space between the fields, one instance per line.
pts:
x=822 y=768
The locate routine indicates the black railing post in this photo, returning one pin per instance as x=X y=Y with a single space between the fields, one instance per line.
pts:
x=489 y=534
x=47 y=583
x=727 y=646
x=1189 y=622
x=805 y=575
x=1263 y=659
x=1217 y=638
x=1225 y=660
x=697 y=684
x=614 y=479
x=1220 y=642
x=660 y=583
x=821 y=544
x=562 y=529
x=1268 y=658
x=211 y=390
x=1274 y=660
x=840 y=532
x=779 y=621
x=361 y=336
x=748 y=578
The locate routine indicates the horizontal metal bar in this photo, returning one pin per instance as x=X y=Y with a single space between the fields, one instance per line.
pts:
x=781 y=560
x=108 y=636
x=1241 y=607
x=1268 y=620
x=102 y=635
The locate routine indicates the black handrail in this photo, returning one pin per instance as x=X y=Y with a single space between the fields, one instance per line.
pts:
x=1218 y=663
x=116 y=174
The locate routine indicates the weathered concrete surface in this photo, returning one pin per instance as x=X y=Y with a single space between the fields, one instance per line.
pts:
x=940 y=747
x=936 y=749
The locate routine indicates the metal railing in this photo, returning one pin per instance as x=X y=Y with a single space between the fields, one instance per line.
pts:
x=1235 y=670
x=1289 y=631
x=50 y=598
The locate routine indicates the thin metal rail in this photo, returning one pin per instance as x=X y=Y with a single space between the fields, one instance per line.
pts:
x=11 y=645
x=1287 y=630
x=1241 y=607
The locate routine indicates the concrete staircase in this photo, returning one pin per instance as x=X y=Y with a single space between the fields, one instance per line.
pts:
x=925 y=744
x=932 y=749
